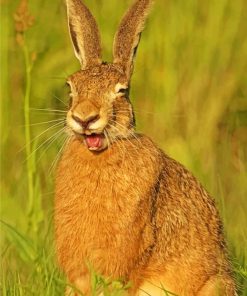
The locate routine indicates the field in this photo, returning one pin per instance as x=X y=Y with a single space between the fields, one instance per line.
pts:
x=189 y=90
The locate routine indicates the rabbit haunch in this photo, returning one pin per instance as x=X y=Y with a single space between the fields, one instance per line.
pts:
x=128 y=211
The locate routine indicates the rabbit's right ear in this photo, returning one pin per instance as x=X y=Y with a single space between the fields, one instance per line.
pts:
x=84 y=33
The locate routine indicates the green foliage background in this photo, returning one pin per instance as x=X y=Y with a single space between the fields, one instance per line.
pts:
x=189 y=91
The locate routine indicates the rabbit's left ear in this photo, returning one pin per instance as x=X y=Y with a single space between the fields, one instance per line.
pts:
x=84 y=33
x=128 y=35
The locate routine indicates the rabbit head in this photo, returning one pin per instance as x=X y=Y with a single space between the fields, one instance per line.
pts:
x=100 y=111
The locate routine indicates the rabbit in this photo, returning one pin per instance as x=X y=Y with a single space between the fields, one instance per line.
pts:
x=123 y=208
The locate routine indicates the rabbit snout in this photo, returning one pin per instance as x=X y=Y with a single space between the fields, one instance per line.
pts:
x=86 y=122
x=86 y=118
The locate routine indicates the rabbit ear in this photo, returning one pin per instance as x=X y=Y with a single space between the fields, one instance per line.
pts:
x=128 y=35
x=84 y=33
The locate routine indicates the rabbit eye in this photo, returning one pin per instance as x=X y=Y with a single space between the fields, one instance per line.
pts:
x=124 y=91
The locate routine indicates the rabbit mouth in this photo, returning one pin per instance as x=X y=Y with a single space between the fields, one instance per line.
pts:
x=95 y=142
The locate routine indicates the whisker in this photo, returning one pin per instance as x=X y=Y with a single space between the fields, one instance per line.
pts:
x=47 y=140
x=130 y=142
x=45 y=122
x=131 y=126
x=107 y=139
x=54 y=96
x=136 y=111
x=48 y=110
x=133 y=134
x=126 y=138
x=55 y=115
x=118 y=144
x=66 y=140
x=127 y=111
x=124 y=127
x=49 y=128
x=130 y=133
x=52 y=139
x=122 y=148
x=144 y=112
x=129 y=130
x=109 y=135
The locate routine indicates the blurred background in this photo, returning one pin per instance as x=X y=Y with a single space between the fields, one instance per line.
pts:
x=189 y=90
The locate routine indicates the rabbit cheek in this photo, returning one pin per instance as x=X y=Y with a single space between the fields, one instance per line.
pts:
x=75 y=126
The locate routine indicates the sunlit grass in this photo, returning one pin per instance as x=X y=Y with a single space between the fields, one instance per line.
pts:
x=189 y=90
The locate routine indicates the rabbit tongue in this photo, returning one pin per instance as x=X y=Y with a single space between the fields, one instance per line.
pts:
x=94 y=141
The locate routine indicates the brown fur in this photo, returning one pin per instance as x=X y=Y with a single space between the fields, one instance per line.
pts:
x=128 y=210
x=133 y=212
x=129 y=33
x=81 y=23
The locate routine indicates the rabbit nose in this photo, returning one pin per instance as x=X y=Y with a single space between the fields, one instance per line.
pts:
x=86 y=121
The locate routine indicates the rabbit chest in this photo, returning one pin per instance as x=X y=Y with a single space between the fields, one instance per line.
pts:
x=102 y=207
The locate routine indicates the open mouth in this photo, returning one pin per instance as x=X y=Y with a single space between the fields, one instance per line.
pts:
x=95 y=142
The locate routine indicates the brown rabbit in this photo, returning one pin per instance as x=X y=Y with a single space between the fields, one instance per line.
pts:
x=122 y=206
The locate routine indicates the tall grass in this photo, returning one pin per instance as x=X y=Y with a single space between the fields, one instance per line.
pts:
x=189 y=90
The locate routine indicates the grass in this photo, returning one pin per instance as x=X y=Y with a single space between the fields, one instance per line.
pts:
x=189 y=90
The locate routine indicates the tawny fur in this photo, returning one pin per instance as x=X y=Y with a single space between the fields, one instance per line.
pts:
x=129 y=33
x=134 y=213
x=129 y=211
x=81 y=22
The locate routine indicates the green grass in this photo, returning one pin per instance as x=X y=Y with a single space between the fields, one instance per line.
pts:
x=189 y=90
